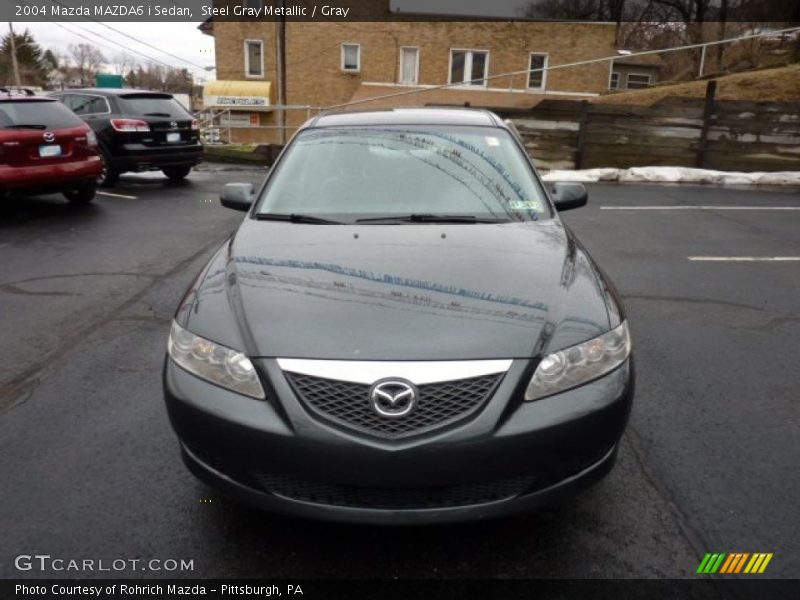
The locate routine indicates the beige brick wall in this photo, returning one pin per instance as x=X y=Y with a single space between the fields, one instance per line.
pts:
x=313 y=57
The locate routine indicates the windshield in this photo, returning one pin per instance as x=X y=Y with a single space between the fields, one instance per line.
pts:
x=37 y=114
x=150 y=104
x=428 y=173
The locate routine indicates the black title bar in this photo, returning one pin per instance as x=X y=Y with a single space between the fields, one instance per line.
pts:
x=393 y=10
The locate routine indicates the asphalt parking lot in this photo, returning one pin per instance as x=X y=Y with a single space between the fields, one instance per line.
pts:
x=90 y=467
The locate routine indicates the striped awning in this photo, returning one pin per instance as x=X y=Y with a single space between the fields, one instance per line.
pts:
x=234 y=94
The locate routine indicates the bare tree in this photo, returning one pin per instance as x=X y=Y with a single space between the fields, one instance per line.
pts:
x=123 y=63
x=179 y=81
x=161 y=78
x=689 y=11
x=580 y=10
x=87 y=60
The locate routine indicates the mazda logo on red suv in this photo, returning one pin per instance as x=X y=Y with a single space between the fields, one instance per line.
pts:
x=49 y=136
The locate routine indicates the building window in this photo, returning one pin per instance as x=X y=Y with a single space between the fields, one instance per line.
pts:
x=351 y=58
x=537 y=75
x=409 y=65
x=638 y=81
x=613 y=83
x=470 y=67
x=254 y=58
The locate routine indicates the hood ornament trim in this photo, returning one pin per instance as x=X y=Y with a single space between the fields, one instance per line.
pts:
x=416 y=372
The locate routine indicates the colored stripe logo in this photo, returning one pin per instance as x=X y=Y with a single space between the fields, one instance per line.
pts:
x=734 y=563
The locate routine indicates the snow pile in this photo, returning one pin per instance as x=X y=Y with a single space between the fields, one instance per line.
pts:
x=675 y=175
x=582 y=176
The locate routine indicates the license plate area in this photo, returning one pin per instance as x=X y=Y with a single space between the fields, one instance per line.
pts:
x=49 y=151
x=173 y=137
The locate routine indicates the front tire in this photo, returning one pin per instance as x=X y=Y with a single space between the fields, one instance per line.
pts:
x=82 y=195
x=176 y=173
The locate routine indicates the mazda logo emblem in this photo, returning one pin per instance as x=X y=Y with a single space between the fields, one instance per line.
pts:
x=173 y=124
x=393 y=398
x=49 y=136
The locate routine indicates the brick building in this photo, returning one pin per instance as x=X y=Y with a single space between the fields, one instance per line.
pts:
x=333 y=63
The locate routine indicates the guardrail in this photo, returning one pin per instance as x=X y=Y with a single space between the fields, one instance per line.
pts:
x=216 y=125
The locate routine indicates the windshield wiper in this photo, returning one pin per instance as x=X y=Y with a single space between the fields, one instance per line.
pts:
x=157 y=114
x=430 y=218
x=296 y=218
x=25 y=126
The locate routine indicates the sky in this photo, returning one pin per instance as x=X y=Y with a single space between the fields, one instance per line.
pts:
x=181 y=39
x=185 y=42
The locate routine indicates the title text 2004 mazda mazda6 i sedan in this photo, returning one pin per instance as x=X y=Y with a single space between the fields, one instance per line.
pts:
x=402 y=330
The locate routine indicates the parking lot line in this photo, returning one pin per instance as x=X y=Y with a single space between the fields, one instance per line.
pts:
x=744 y=258
x=110 y=195
x=699 y=207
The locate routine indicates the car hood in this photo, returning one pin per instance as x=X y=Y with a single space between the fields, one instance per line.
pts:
x=399 y=292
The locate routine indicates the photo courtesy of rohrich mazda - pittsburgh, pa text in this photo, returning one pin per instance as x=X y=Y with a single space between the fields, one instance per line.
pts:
x=402 y=330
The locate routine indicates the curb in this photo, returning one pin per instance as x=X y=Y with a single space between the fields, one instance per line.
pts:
x=255 y=155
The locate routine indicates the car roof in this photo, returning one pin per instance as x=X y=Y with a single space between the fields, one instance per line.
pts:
x=408 y=116
x=21 y=98
x=112 y=91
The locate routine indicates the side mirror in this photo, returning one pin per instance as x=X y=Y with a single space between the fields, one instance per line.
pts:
x=567 y=196
x=238 y=196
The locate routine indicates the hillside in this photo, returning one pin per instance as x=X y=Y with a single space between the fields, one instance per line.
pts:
x=780 y=85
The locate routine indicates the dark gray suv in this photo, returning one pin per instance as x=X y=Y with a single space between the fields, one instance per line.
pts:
x=402 y=330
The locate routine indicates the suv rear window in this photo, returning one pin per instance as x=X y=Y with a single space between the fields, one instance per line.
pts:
x=82 y=104
x=37 y=114
x=153 y=105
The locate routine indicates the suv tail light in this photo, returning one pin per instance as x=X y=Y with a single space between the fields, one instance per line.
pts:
x=195 y=124
x=129 y=125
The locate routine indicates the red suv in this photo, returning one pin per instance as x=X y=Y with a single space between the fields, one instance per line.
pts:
x=45 y=148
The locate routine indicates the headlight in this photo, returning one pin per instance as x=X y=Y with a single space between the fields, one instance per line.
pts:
x=579 y=364
x=225 y=367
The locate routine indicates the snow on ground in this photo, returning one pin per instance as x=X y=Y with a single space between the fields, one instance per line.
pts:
x=675 y=175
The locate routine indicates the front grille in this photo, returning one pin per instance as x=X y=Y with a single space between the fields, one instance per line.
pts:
x=439 y=404
x=464 y=494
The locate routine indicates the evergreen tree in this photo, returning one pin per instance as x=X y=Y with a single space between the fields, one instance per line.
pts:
x=35 y=65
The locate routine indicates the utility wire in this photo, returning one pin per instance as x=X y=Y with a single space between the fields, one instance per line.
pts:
x=579 y=63
x=111 y=41
x=94 y=33
x=83 y=37
x=107 y=26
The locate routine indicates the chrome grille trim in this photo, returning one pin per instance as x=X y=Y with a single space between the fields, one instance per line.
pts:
x=418 y=372
x=348 y=405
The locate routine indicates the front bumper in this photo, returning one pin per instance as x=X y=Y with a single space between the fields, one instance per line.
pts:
x=510 y=457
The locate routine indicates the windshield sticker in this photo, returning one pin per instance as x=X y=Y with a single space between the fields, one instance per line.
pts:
x=523 y=205
x=492 y=141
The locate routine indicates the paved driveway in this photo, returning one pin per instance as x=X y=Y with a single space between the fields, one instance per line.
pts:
x=90 y=467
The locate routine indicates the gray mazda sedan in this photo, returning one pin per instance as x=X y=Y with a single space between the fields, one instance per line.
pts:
x=402 y=330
